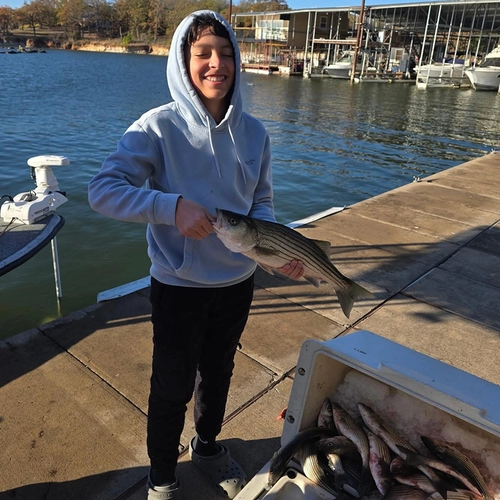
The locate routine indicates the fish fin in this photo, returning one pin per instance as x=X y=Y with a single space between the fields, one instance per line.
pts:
x=266 y=268
x=265 y=251
x=412 y=458
x=314 y=281
x=348 y=294
x=325 y=246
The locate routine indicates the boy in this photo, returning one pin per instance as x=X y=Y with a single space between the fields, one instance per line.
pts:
x=197 y=153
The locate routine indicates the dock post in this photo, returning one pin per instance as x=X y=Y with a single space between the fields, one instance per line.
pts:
x=55 y=262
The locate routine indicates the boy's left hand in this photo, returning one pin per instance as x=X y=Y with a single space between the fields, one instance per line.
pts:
x=294 y=270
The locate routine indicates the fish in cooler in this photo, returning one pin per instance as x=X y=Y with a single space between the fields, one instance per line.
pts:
x=393 y=474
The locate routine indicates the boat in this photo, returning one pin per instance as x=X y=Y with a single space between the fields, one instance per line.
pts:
x=486 y=75
x=342 y=68
x=446 y=69
x=450 y=72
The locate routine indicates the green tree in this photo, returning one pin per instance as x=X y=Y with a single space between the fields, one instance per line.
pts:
x=72 y=14
x=134 y=15
x=48 y=12
x=31 y=14
x=100 y=14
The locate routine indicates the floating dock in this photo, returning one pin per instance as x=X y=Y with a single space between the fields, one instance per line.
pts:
x=74 y=391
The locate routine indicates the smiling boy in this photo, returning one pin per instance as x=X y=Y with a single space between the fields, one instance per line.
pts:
x=195 y=154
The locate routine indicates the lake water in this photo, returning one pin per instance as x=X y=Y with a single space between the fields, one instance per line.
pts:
x=333 y=144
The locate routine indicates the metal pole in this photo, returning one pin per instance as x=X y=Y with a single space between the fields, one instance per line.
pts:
x=359 y=38
x=488 y=49
x=306 y=48
x=447 y=44
x=330 y=36
x=470 y=33
x=481 y=33
x=55 y=262
x=312 y=43
x=365 y=62
x=422 y=50
x=431 y=55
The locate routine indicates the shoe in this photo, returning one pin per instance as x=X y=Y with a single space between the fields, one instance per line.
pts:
x=224 y=473
x=171 y=492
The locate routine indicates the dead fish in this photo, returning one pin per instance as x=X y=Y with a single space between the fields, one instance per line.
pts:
x=379 y=461
x=399 y=466
x=280 y=459
x=337 y=445
x=308 y=457
x=459 y=462
x=273 y=245
x=382 y=429
x=330 y=450
x=325 y=417
x=403 y=492
x=350 y=429
x=456 y=495
x=417 y=460
x=417 y=480
x=394 y=441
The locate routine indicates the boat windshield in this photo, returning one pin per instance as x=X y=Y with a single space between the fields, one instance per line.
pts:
x=346 y=57
x=489 y=61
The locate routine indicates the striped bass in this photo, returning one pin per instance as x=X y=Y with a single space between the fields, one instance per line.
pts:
x=459 y=461
x=350 y=429
x=280 y=459
x=325 y=417
x=418 y=480
x=308 y=457
x=397 y=444
x=403 y=492
x=337 y=445
x=417 y=460
x=274 y=245
x=380 y=460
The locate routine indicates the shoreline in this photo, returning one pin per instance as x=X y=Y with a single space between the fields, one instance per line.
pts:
x=145 y=49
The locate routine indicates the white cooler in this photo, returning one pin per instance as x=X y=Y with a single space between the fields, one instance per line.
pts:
x=416 y=394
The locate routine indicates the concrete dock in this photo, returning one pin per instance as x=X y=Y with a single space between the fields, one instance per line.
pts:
x=74 y=391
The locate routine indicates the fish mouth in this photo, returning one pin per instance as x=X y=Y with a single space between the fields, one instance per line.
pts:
x=218 y=223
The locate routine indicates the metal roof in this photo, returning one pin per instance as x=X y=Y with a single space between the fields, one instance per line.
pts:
x=473 y=15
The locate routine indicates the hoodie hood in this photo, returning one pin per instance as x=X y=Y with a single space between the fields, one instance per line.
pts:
x=181 y=89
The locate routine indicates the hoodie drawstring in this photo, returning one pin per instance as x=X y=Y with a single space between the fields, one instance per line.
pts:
x=237 y=155
x=217 y=166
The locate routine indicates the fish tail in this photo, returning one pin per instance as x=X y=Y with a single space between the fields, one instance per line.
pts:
x=417 y=460
x=350 y=293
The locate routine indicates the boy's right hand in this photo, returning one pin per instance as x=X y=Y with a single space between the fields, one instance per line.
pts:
x=193 y=220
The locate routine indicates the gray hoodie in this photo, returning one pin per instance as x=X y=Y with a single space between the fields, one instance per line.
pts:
x=178 y=150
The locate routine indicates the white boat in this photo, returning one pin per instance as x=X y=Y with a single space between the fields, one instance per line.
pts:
x=342 y=68
x=486 y=75
x=441 y=70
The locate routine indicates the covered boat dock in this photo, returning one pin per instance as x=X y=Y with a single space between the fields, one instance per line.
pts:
x=391 y=40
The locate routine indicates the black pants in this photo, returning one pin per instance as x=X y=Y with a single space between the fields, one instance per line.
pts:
x=195 y=335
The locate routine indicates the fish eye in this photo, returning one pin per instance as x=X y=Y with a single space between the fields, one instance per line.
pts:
x=233 y=221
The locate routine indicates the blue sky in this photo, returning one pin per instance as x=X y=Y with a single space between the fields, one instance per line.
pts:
x=293 y=4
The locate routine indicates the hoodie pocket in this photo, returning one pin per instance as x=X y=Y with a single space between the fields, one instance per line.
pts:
x=187 y=262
